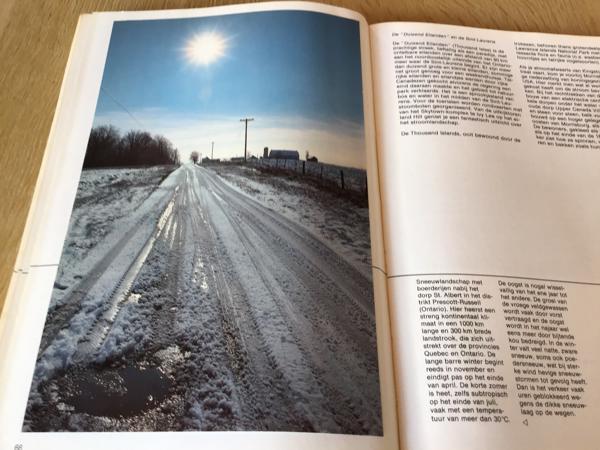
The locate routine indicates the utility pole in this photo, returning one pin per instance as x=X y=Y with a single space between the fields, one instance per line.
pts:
x=247 y=119
x=212 y=150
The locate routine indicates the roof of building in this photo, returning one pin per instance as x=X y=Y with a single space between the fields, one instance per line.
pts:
x=284 y=154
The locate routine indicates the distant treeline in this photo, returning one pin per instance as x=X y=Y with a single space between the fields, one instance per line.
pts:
x=107 y=148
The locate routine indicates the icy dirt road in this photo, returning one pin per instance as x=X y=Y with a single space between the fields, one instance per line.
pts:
x=249 y=322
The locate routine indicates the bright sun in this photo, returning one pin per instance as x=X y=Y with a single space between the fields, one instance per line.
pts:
x=205 y=48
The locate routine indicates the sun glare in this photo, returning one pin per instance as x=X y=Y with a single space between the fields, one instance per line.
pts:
x=205 y=48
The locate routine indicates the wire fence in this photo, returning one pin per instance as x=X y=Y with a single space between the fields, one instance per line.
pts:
x=345 y=178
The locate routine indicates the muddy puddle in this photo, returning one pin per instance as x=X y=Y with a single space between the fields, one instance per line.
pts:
x=122 y=392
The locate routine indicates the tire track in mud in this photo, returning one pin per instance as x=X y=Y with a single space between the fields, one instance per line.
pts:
x=263 y=393
x=333 y=371
x=293 y=366
x=180 y=307
x=58 y=318
x=100 y=328
x=314 y=280
x=213 y=281
x=163 y=320
x=308 y=273
x=355 y=285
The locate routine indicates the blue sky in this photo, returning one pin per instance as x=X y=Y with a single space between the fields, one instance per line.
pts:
x=297 y=73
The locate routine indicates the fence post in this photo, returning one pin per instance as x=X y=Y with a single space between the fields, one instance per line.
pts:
x=321 y=171
x=342 y=178
x=303 y=167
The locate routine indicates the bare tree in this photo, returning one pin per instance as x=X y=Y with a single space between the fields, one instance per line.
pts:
x=103 y=144
x=136 y=148
x=194 y=156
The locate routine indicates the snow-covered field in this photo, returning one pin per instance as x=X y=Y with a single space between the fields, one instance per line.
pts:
x=235 y=301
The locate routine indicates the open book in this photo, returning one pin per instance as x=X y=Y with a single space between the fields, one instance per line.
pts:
x=275 y=226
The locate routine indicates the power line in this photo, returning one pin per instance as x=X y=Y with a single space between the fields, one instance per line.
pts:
x=122 y=106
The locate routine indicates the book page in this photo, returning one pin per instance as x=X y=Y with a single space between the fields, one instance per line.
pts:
x=489 y=156
x=203 y=262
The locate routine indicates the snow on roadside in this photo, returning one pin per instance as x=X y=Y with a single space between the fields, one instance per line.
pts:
x=106 y=201
x=335 y=220
x=141 y=217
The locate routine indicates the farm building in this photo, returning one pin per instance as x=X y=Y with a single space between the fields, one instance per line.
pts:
x=284 y=154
